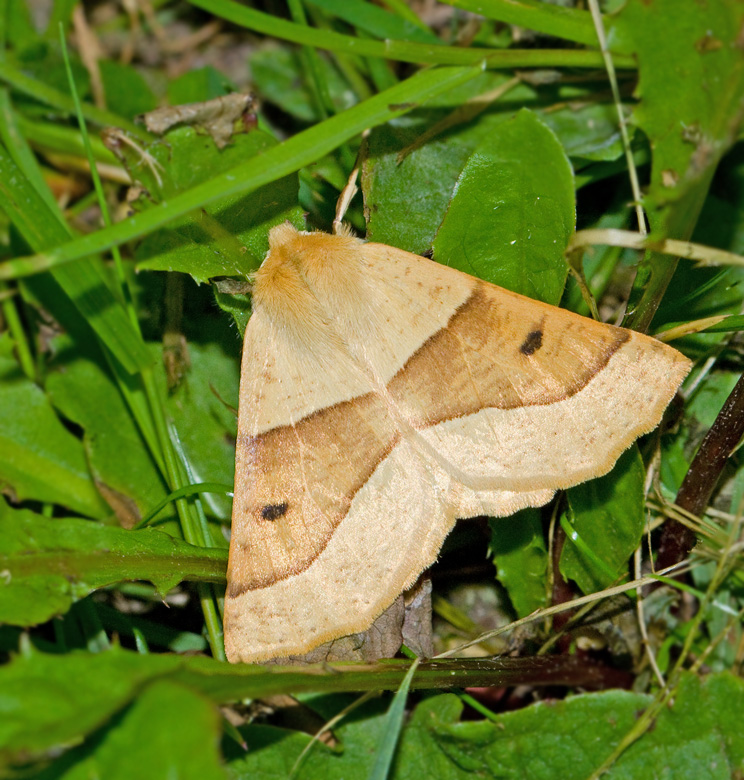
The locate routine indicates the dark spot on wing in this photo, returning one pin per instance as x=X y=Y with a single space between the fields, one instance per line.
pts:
x=274 y=511
x=532 y=343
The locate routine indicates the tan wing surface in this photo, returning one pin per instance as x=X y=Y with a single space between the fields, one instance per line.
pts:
x=383 y=396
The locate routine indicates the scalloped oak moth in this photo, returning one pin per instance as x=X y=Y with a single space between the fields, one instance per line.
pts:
x=383 y=396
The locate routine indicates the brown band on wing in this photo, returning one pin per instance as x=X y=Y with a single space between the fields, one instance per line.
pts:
x=312 y=471
x=480 y=361
x=302 y=478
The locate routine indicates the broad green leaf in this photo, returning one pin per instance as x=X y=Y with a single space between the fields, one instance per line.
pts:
x=698 y=736
x=551 y=740
x=126 y=89
x=201 y=406
x=607 y=513
x=518 y=550
x=691 y=89
x=228 y=238
x=419 y=186
x=168 y=732
x=238 y=306
x=49 y=563
x=41 y=460
x=513 y=211
x=589 y=132
x=198 y=85
x=118 y=458
x=50 y=701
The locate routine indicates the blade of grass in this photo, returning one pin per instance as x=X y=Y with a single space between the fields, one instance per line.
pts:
x=555 y=20
x=62 y=139
x=166 y=449
x=56 y=99
x=403 y=51
x=401 y=8
x=312 y=65
x=14 y=139
x=187 y=490
x=13 y=136
x=393 y=725
x=299 y=151
x=85 y=283
x=31 y=207
x=376 y=21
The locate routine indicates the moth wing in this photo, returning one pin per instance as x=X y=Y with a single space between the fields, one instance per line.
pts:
x=512 y=397
x=330 y=508
x=420 y=396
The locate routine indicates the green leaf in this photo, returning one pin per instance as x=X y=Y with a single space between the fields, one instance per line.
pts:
x=691 y=89
x=228 y=238
x=589 y=132
x=274 y=752
x=41 y=460
x=50 y=701
x=607 y=513
x=513 y=211
x=198 y=85
x=126 y=89
x=118 y=458
x=698 y=736
x=47 y=564
x=521 y=557
x=169 y=731
x=420 y=185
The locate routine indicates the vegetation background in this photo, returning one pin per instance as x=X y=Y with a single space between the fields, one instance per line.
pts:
x=492 y=133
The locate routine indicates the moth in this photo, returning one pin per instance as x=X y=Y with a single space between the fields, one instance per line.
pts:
x=383 y=396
